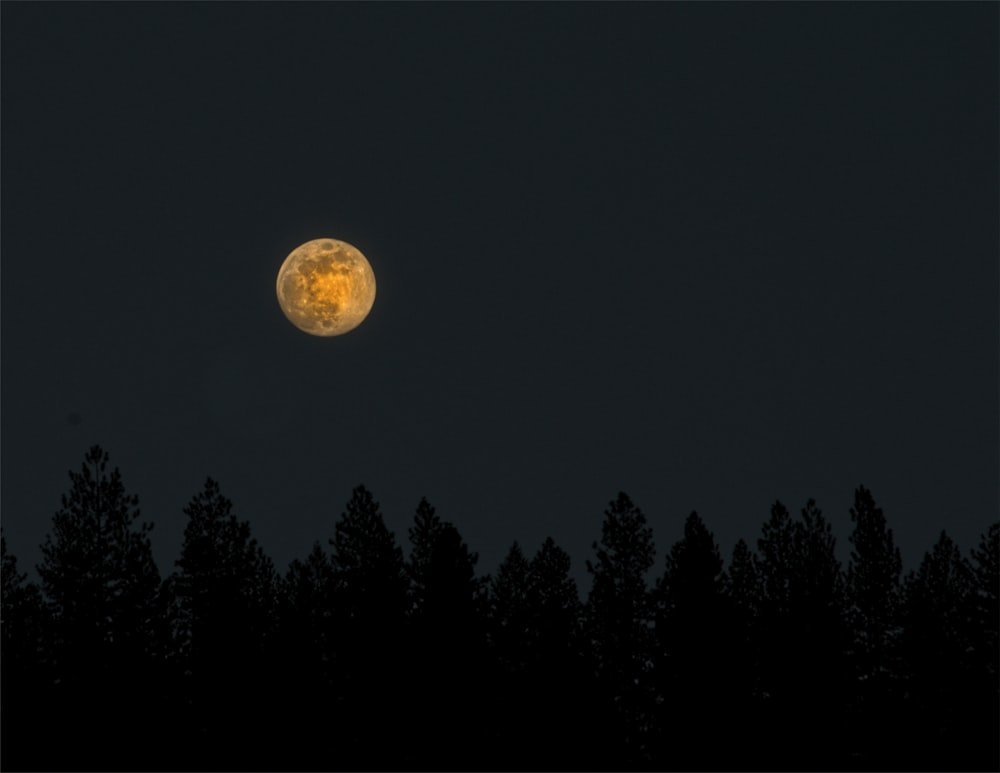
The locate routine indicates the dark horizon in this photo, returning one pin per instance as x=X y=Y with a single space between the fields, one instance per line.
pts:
x=840 y=529
x=357 y=657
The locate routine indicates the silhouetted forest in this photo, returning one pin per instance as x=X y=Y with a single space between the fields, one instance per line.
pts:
x=362 y=657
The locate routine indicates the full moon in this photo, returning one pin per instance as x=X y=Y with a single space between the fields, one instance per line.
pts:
x=326 y=287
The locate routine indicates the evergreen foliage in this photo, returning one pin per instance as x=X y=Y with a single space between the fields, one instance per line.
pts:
x=106 y=609
x=358 y=660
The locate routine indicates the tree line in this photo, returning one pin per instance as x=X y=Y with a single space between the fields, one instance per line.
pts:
x=358 y=657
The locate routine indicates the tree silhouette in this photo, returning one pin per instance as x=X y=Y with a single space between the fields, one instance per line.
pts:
x=24 y=674
x=447 y=648
x=693 y=629
x=306 y=648
x=508 y=621
x=508 y=610
x=744 y=590
x=873 y=601
x=557 y=690
x=553 y=605
x=777 y=643
x=307 y=612
x=225 y=591
x=370 y=600
x=982 y=699
x=934 y=645
x=357 y=659
x=104 y=592
x=619 y=617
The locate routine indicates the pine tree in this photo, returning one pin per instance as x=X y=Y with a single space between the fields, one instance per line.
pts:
x=104 y=594
x=25 y=678
x=306 y=646
x=693 y=632
x=508 y=610
x=423 y=534
x=873 y=602
x=742 y=581
x=984 y=566
x=508 y=631
x=619 y=616
x=776 y=550
x=934 y=645
x=873 y=585
x=982 y=699
x=447 y=638
x=307 y=608
x=21 y=613
x=777 y=640
x=368 y=567
x=226 y=600
x=553 y=603
x=554 y=708
x=816 y=669
x=744 y=592
x=225 y=583
x=370 y=603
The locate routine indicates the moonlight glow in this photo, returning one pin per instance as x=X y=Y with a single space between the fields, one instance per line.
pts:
x=326 y=287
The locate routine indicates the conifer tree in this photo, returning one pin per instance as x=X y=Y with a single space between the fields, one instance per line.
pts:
x=307 y=596
x=225 y=584
x=555 y=709
x=225 y=590
x=105 y=598
x=982 y=699
x=693 y=633
x=23 y=668
x=509 y=631
x=553 y=603
x=934 y=646
x=508 y=610
x=873 y=605
x=306 y=649
x=873 y=585
x=816 y=669
x=742 y=582
x=368 y=567
x=447 y=644
x=743 y=590
x=370 y=602
x=619 y=617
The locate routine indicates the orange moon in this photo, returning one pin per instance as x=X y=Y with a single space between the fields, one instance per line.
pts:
x=326 y=287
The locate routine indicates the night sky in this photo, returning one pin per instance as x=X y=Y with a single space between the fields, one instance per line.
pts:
x=712 y=255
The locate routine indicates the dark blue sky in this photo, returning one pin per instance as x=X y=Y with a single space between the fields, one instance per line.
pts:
x=713 y=255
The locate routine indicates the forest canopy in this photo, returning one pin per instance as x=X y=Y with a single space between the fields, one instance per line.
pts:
x=361 y=656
